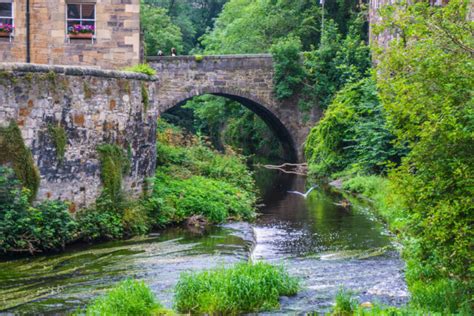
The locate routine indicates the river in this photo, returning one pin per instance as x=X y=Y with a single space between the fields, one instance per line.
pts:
x=327 y=246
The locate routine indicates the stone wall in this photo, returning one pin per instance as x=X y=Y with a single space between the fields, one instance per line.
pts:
x=94 y=107
x=117 y=41
x=244 y=78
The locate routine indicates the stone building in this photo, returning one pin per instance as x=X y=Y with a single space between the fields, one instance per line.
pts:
x=103 y=33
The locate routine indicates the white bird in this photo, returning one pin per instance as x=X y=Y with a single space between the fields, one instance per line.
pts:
x=305 y=195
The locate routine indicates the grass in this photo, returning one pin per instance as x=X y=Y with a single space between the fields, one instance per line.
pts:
x=346 y=304
x=243 y=288
x=129 y=297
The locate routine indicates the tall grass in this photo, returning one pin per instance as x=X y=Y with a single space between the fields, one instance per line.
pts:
x=129 y=297
x=346 y=303
x=243 y=288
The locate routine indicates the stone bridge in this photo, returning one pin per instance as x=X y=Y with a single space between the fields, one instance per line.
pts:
x=247 y=79
x=110 y=107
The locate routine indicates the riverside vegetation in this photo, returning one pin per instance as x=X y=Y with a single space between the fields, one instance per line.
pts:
x=243 y=288
x=216 y=186
x=403 y=138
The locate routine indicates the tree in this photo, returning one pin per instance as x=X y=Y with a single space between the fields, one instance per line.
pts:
x=159 y=32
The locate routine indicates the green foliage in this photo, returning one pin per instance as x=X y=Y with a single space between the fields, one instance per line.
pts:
x=59 y=137
x=100 y=224
x=193 y=17
x=14 y=151
x=159 y=31
x=241 y=289
x=143 y=69
x=24 y=228
x=346 y=304
x=114 y=163
x=246 y=26
x=217 y=200
x=338 y=60
x=228 y=123
x=193 y=179
x=287 y=63
x=129 y=297
x=352 y=134
x=425 y=82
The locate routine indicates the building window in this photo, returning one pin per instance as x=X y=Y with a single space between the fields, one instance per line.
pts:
x=80 y=18
x=6 y=17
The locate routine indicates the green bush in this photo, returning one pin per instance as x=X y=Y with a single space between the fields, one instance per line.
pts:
x=24 y=228
x=129 y=297
x=288 y=67
x=243 y=288
x=103 y=221
x=215 y=199
x=352 y=135
x=425 y=82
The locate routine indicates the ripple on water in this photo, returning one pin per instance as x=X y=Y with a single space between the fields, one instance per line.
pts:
x=324 y=245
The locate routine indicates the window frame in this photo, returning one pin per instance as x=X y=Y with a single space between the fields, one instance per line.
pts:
x=80 y=19
x=12 y=17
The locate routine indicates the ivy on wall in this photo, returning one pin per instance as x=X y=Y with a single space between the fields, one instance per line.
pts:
x=59 y=138
x=14 y=151
x=114 y=163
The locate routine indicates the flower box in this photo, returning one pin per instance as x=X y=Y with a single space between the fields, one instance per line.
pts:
x=81 y=35
x=4 y=34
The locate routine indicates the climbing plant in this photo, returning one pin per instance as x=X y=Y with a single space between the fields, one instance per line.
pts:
x=59 y=138
x=114 y=163
x=14 y=151
x=145 y=97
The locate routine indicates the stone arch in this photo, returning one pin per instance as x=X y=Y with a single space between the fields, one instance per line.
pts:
x=250 y=101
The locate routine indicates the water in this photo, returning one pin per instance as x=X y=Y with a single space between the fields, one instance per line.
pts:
x=325 y=245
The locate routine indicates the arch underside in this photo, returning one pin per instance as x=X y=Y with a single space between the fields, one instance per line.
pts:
x=256 y=106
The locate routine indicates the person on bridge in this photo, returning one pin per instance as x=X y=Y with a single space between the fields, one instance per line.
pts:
x=173 y=51
x=160 y=53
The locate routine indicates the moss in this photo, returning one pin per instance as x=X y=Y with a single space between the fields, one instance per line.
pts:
x=59 y=137
x=124 y=85
x=29 y=77
x=145 y=97
x=51 y=75
x=198 y=58
x=87 y=90
x=114 y=163
x=14 y=151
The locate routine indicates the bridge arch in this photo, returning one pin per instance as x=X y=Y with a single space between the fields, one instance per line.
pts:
x=251 y=102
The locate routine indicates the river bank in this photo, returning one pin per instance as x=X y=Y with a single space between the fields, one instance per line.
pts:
x=323 y=244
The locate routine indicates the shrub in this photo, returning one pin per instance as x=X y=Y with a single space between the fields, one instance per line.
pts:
x=425 y=81
x=143 y=69
x=288 y=67
x=103 y=221
x=24 y=228
x=129 y=297
x=216 y=200
x=352 y=135
x=243 y=288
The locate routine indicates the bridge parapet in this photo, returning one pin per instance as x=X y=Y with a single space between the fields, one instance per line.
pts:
x=94 y=107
